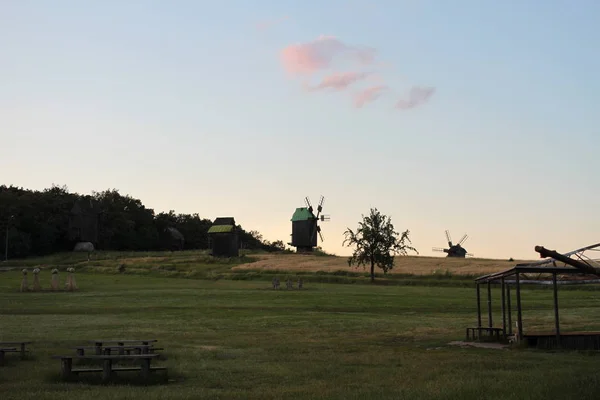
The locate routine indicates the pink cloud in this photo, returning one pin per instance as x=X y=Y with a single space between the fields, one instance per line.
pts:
x=307 y=58
x=368 y=95
x=416 y=97
x=339 y=81
x=264 y=25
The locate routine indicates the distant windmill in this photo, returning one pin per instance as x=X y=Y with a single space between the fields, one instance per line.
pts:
x=454 y=250
x=305 y=227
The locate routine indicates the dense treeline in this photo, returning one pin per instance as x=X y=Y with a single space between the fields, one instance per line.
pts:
x=38 y=223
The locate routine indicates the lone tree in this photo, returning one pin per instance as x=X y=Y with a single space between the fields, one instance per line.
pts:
x=376 y=243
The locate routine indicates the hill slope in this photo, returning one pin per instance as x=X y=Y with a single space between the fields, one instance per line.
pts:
x=417 y=265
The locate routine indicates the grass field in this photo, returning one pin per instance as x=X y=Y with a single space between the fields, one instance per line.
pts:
x=239 y=339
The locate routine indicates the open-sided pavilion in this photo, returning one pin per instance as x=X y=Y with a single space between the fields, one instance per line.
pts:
x=575 y=267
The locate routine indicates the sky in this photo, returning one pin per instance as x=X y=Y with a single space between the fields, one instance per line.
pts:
x=479 y=117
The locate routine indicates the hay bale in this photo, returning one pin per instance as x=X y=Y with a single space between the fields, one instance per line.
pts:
x=54 y=281
x=36 y=280
x=24 y=283
x=71 y=285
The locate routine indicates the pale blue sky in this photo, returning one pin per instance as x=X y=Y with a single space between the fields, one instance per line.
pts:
x=186 y=105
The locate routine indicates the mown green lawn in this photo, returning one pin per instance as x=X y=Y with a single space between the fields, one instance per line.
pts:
x=242 y=340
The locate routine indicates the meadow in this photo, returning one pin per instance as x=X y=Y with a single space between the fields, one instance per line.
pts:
x=228 y=334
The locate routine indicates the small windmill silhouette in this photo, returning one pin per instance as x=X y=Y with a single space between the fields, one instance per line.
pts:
x=454 y=250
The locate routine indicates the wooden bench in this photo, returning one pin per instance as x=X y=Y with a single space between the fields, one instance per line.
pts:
x=107 y=369
x=3 y=351
x=99 y=344
x=476 y=332
x=107 y=350
x=20 y=344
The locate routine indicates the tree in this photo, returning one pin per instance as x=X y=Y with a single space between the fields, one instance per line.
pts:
x=376 y=243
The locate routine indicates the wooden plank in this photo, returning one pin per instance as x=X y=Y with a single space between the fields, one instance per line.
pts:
x=116 y=347
x=13 y=343
x=123 y=341
x=117 y=369
x=107 y=356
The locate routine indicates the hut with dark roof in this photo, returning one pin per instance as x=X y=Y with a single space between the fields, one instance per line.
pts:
x=223 y=236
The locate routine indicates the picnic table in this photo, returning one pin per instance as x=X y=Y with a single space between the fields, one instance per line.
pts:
x=20 y=344
x=108 y=368
x=137 y=349
x=99 y=344
x=3 y=351
x=475 y=333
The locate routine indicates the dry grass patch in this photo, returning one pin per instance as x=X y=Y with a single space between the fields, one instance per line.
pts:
x=416 y=265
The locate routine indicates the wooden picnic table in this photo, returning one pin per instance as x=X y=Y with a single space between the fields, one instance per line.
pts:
x=107 y=369
x=3 y=351
x=20 y=344
x=476 y=332
x=137 y=349
x=99 y=343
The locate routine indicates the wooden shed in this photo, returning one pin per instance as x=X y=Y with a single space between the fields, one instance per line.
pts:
x=224 y=238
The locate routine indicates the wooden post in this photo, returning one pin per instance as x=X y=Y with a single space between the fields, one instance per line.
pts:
x=556 y=321
x=23 y=352
x=503 y=308
x=121 y=348
x=478 y=306
x=65 y=367
x=145 y=368
x=98 y=348
x=509 y=307
x=106 y=370
x=519 y=309
x=489 y=295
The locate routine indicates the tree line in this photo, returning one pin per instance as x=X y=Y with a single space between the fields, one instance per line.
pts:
x=37 y=223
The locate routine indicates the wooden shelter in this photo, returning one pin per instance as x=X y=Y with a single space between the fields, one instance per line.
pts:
x=556 y=269
x=224 y=237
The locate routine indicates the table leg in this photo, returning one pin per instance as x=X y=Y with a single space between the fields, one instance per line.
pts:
x=145 y=368
x=106 y=370
x=66 y=366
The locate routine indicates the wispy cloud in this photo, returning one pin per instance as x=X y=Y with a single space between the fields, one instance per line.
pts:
x=417 y=96
x=310 y=57
x=264 y=25
x=327 y=53
x=339 y=81
x=368 y=95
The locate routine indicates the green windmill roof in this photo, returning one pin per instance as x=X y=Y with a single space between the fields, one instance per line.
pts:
x=302 y=214
x=220 y=229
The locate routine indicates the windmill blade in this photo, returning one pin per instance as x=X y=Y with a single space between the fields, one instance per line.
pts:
x=324 y=218
x=438 y=249
x=449 y=238
x=320 y=206
x=469 y=255
x=463 y=239
x=314 y=233
x=307 y=201
x=321 y=236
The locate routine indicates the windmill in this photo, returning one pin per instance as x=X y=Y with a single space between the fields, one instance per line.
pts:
x=305 y=226
x=454 y=250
